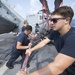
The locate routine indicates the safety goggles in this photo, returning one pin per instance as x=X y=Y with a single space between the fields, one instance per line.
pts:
x=54 y=20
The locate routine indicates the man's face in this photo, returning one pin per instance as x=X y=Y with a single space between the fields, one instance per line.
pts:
x=57 y=22
x=29 y=32
x=26 y=24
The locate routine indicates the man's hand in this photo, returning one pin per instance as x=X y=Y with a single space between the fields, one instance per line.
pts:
x=28 y=51
x=32 y=36
x=21 y=73
x=29 y=45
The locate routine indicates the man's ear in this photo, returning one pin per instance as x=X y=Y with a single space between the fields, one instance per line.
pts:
x=67 y=20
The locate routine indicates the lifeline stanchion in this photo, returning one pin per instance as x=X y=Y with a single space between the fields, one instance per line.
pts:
x=26 y=59
x=25 y=62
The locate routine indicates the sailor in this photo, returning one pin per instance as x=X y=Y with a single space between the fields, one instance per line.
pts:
x=37 y=28
x=64 y=39
x=25 y=24
x=20 y=46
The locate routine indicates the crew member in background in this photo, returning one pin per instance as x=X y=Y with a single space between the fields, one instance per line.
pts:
x=25 y=24
x=20 y=46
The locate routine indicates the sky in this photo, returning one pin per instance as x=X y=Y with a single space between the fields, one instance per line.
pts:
x=27 y=7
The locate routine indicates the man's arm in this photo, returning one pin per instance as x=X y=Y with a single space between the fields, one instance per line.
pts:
x=39 y=45
x=19 y=46
x=60 y=63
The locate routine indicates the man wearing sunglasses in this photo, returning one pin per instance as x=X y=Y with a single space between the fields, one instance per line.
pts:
x=64 y=39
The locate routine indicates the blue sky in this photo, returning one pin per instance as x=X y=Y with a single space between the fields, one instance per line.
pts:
x=26 y=7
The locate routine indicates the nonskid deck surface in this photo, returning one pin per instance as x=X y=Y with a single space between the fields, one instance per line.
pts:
x=40 y=59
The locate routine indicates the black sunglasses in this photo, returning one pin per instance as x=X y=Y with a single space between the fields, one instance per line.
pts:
x=54 y=20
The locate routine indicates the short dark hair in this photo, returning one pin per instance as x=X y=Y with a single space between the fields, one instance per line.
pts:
x=28 y=28
x=65 y=11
